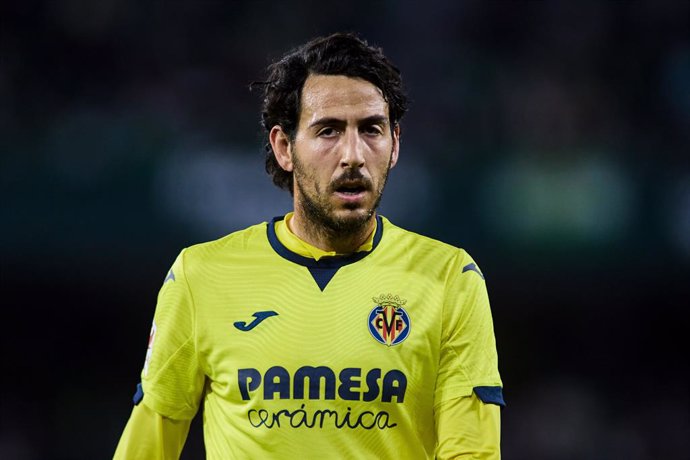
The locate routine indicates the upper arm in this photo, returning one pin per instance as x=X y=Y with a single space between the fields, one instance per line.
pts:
x=468 y=357
x=173 y=379
x=468 y=393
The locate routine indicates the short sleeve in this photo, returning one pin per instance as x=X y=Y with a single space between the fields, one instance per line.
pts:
x=468 y=358
x=172 y=379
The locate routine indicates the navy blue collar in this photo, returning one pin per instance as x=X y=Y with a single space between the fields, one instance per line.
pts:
x=325 y=268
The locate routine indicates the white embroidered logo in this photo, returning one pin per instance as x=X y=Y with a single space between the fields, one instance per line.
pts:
x=149 y=350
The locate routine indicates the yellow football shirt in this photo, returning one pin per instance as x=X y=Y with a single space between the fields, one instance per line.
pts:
x=340 y=356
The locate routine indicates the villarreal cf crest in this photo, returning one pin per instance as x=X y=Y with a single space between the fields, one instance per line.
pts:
x=389 y=323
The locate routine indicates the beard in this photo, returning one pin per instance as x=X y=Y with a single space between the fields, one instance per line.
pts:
x=320 y=211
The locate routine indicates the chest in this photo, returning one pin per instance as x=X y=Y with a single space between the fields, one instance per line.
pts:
x=271 y=332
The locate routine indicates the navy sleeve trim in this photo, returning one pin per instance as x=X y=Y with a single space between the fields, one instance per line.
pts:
x=490 y=395
x=139 y=395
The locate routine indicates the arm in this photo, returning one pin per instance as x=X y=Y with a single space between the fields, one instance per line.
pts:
x=468 y=393
x=150 y=436
x=172 y=380
x=468 y=429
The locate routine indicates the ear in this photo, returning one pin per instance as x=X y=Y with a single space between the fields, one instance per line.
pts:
x=396 y=145
x=280 y=143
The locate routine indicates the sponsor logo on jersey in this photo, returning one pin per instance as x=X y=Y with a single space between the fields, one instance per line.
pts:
x=259 y=317
x=149 y=349
x=323 y=384
x=388 y=322
x=319 y=382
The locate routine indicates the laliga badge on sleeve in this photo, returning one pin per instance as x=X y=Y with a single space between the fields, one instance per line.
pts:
x=149 y=350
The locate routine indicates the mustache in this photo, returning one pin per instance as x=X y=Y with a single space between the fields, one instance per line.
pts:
x=351 y=178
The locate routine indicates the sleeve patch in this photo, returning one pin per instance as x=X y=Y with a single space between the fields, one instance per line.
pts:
x=490 y=395
x=139 y=395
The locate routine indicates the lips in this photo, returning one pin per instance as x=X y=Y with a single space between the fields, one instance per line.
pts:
x=351 y=182
x=351 y=191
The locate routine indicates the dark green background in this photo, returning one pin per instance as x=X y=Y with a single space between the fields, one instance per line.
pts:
x=549 y=139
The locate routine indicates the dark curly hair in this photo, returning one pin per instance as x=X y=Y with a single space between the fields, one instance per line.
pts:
x=338 y=54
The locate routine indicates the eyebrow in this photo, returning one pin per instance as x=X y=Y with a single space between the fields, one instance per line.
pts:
x=371 y=120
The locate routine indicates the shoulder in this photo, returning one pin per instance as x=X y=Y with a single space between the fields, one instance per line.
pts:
x=240 y=242
x=424 y=246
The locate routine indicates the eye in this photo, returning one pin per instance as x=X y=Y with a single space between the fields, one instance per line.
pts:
x=373 y=130
x=328 y=131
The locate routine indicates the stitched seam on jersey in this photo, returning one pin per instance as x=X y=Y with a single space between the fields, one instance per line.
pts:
x=165 y=365
x=191 y=338
x=438 y=404
x=454 y=266
x=155 y=403
x=194 y=312
x=161 y=438
x=462 y=313
x=443 y=315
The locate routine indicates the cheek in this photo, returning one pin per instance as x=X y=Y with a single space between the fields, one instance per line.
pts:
x=314 y=175
x=381 y=151
x=382 y=163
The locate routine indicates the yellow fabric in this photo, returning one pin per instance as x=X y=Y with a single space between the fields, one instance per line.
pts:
x=150 y=436
x=301 y=247
x=311 y=379
x=468 y=429
x=174 y=370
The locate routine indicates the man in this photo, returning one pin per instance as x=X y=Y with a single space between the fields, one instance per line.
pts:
x=329 y=332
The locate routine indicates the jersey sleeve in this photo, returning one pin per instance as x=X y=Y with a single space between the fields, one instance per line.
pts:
x=150 y=436
x=172 y=379
x=468 y=360
x=468 y=429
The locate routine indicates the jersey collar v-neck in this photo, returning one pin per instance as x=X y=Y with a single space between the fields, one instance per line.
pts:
x=322 y=265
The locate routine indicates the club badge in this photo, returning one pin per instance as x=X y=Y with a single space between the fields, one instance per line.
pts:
x=388 y=322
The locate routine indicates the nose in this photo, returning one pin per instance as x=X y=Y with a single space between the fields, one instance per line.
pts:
x=352 y=150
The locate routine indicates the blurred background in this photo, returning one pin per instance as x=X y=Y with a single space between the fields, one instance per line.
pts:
x=549 y=139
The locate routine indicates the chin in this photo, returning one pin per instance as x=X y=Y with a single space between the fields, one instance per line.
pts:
x=354 y=212
x=354 y=218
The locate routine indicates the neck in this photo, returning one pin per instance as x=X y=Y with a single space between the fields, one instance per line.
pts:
x=326 y=239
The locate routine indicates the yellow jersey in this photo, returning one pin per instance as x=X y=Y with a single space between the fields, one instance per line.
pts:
x=320 y=356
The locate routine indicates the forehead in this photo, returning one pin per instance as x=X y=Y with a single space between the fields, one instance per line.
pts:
x=341 y=97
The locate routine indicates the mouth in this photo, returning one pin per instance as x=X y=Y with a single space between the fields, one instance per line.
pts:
x=351 y=191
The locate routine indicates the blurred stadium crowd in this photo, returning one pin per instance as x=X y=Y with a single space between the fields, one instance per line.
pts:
x=550 y=139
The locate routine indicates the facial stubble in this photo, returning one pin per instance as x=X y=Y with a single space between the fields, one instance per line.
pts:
x=320 y=213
